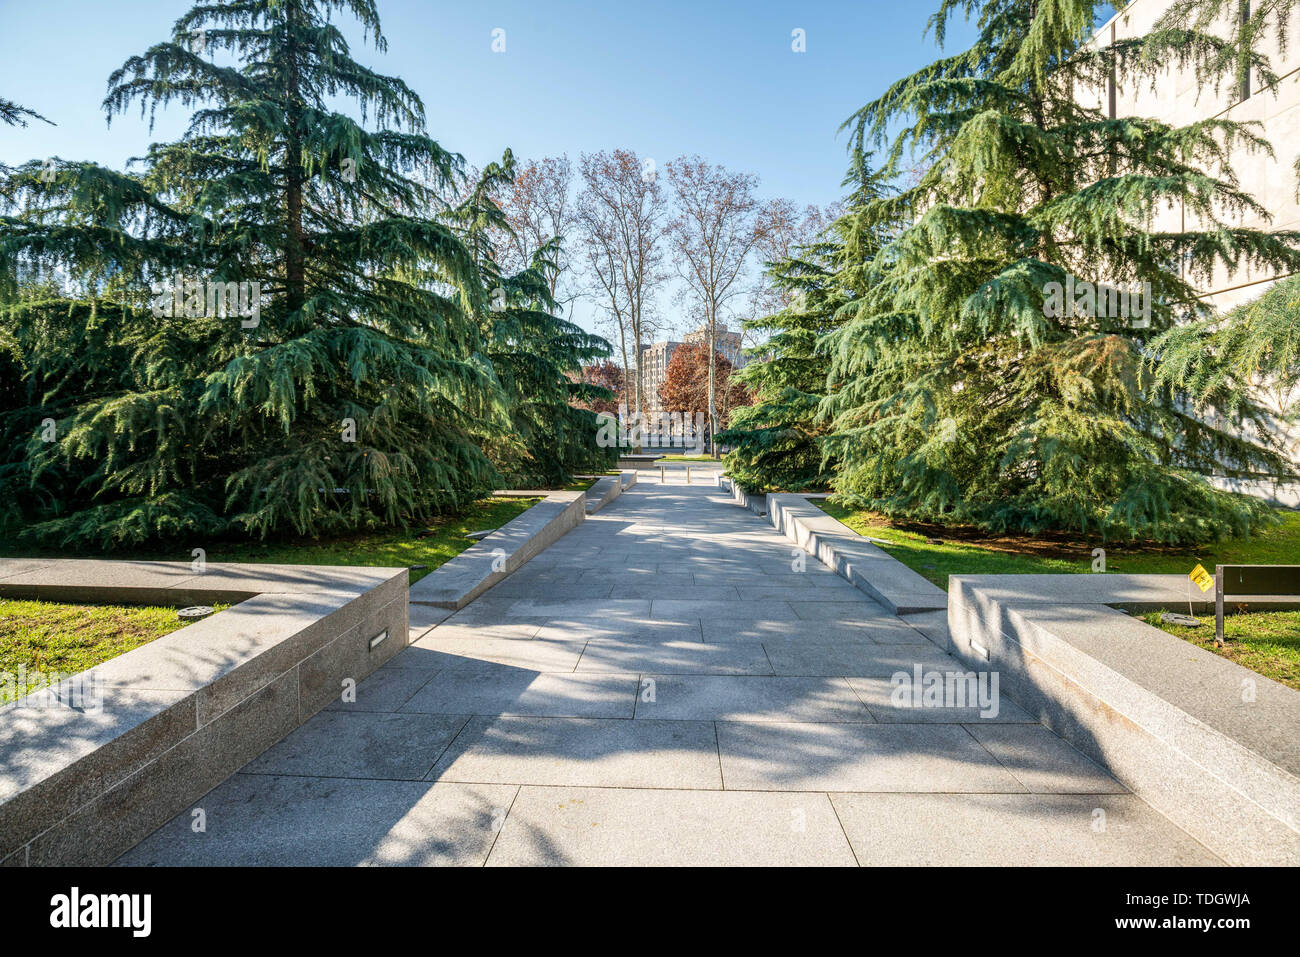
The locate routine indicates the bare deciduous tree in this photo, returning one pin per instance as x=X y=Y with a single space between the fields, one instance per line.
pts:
x=623 y=217
x=716 y=228
x=542 y=213
x=784 y=231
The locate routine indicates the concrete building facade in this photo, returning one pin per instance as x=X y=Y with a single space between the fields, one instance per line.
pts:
x=727 y=342
x=1177 y=98
x=654 y=369
x=656 y=356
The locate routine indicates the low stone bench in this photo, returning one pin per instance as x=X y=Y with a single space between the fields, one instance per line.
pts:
x=91 y=766
x=1213 y=746
x=755 y=503
x=632 y=461
x=870 y=569
x=607 y=489
x=458 y=582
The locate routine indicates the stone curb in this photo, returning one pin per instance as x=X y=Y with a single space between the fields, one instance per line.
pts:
x=456 y=583
x=868 y=568
x=1170 y=720
x=607 y=489
x=94 y=764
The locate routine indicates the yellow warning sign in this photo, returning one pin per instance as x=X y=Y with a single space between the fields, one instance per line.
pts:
x=1203 y=579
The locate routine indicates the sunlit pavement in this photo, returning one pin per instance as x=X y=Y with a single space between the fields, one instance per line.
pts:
x=670 y=684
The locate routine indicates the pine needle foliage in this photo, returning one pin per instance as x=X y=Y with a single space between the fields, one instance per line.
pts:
x=957 y=394
x=14 y=114
x=776 y=441
x=535 y=353
x=1222 y=43
x=351 y=400
x=1228 y=361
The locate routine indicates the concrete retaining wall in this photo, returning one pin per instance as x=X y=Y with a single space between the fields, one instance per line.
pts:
x=1213 y=746
x=607 y=489
x=475 y=570
x=755 y=503
x=92 y=765
x=869 y=568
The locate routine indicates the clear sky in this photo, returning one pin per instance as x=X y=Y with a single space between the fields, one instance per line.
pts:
x=713 y=77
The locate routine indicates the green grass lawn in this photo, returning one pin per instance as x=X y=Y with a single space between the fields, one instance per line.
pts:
x=1266 y=642
x=48 y=637
x=430 y=547
x=967 y=551
x=441 y=541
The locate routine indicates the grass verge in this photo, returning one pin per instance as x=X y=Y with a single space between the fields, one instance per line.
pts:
x=939 y=551
x=45 y=638
x=1266 y=642
x=428 y=547
x=412 y=548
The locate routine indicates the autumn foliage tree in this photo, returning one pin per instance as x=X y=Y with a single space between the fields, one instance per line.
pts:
x=686 y=383
x=606 y=375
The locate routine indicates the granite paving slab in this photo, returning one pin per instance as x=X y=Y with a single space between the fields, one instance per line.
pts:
x=584 y=752
x=1040 y=830
x=854 y=658
x=671 y=683
x=392 y=747
x=385 y=690
x=1042 y=762
x=772 y=756
x=660 y=828
x=673 y=657
x=748 y=698
x=492 y=689
x=962 y=701
x=255 y=820
x=533 y=654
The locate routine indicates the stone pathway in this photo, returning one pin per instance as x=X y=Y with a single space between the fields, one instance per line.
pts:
x=667 y=684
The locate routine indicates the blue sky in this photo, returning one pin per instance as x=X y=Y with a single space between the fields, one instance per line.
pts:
x=712 y=77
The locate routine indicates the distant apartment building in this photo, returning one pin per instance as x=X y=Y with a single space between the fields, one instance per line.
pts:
x=727 y=342
x=654 y=369
x=656 y=356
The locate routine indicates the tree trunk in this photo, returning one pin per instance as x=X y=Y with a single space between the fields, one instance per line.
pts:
x=295 y=271
x=711 y=320
x=622 y=341
x=640 y=380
